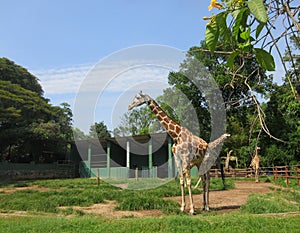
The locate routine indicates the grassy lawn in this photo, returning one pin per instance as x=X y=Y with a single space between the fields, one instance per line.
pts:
x=86 y=192
x=44 y=215
x=178 y=223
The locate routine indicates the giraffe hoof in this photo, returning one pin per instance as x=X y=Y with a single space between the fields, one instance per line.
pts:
x=192 y=212
x=205 y=208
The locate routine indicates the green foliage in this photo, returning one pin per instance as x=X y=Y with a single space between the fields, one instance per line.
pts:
x=238 y=34
x=16 y=74
x=265 y=59
x=212 y=35
x=137 y=122
x=29 y=125
x=100 y=130
x=257 y=8
x=282 y=118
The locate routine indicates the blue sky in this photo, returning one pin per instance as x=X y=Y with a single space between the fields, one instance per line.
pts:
x=61 y=41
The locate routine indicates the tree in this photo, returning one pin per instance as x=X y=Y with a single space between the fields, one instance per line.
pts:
x=100 y=130
x=31 y=129
x=248 y=30
x=136 y=122
x=79 y=135
x=16 y=74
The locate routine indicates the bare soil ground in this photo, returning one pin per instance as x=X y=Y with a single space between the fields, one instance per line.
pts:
x=220 y=201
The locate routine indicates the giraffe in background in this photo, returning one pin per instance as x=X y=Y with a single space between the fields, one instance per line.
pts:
x=229 y=158
x=186 y=147
x=255 y=164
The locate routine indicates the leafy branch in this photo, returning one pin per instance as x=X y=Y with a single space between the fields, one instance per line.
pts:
x=250 y=29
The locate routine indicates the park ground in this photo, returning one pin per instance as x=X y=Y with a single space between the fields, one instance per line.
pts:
x=248 y=206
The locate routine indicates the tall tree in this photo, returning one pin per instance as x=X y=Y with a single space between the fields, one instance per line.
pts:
x=30 y=127
x=136 y=122
x=100 y=130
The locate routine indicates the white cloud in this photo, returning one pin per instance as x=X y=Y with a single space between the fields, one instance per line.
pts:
x=71 y=79
x=62 y=80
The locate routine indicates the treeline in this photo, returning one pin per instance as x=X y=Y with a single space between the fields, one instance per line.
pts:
x=31 y=129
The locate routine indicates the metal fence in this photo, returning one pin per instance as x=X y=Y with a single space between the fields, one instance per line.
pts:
x=59 y=169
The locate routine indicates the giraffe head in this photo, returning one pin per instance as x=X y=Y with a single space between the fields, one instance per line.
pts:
x=138 y=100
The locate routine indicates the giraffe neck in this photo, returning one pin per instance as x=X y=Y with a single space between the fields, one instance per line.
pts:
x=219 y=140
x=173 y=128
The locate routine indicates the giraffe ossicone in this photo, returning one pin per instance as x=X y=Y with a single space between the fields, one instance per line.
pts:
x=186 y=148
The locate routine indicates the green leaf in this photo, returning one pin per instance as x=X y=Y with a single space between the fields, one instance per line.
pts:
x=265 y=59
x=231 y=58
x=259 y=29
x=240 y=23
x=212 y=35
x=221 y=22
x=257 y=8
x=245 y=35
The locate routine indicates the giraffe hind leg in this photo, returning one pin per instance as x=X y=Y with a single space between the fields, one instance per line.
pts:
x=206 y=183
x=182 y=194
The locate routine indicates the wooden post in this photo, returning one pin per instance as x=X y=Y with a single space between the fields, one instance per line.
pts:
x=150 y=163
x=108 y=159
x=136 y=173
x=98 y=177
x=275 y=173
x=287 y=175
x=297 y=175
x=89 y=160
x=128 y=154
x=170 y=164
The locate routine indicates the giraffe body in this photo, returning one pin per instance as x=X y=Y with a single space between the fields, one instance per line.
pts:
x=186 y=147
x=255 y=165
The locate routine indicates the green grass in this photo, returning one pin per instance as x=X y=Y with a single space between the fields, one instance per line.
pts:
x=278 y=202
x=86 y=192
x=44 y=214
x=178 y=223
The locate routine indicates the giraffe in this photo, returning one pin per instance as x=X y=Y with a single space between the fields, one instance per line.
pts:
x=186 y=147
x=229 y=158
x=255 y=164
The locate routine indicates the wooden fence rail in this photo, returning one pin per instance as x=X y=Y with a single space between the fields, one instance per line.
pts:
x=285 y=172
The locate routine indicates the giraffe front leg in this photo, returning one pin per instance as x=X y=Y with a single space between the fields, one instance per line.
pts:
x=182 y=194
x=188 y=181
x=256 y=176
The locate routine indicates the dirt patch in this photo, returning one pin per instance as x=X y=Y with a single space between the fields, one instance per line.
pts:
x=229 y=200
x=33 y=187
x=107 y=209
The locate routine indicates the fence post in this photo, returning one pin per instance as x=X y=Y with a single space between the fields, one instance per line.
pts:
x=136 y=173
x=98 y=176
x=297 y=175
x=275 y=173
x=287 y=174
